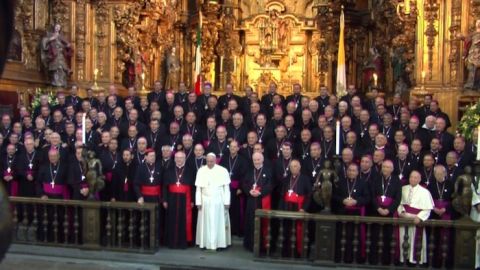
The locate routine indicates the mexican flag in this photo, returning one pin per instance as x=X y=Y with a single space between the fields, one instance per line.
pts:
x=341 y=85
x=198 y=57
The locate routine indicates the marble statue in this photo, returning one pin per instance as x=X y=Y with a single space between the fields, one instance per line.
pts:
x=55 y=55
x=472 y=58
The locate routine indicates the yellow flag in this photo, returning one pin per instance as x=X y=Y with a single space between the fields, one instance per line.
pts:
x=341 y=68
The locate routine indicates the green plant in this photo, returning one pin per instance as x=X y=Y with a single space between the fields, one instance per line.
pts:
x=470 y=121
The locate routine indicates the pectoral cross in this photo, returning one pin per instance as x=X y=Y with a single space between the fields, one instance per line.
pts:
x=52 y=184
x=30 y=165
x=254 y=186
x=151 y=179
x=126 y=180
x=178 y=183
x=9 y=170
x=83 y=177
x=383 y=198
x=290 y=191
x=314 y=173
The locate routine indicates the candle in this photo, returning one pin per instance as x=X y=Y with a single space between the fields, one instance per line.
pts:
x=337 y=139
x=478 y=142
x=375 y=79
x=221 y=63
x=84 y=132
x=95 y=72
x=407 y=6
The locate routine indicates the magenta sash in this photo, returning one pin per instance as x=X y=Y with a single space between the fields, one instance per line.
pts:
x=56 y=190
x=108 y=176
x=13 y=188
x=443 y=204
x=411 y=210
x=385 y=203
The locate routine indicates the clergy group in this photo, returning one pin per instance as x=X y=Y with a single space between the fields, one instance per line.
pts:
x=210 y=161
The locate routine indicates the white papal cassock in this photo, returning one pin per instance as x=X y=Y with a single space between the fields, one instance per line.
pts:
x=416 y=201
x=475 y=215
x=212 y=194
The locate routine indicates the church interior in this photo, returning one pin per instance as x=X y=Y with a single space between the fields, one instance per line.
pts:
x=409 y=55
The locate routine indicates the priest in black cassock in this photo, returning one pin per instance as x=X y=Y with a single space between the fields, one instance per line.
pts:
x=109 y=159
x=52 y=178
x=148 y=179
x=9 y=170
x=257 y=187
x=178 y=189
x=219 y=146
x=237 y=166
x=122 y=179
x=351 y=195
x=386 y=193
x=296 y=194
x=28 y=165
x=76 y=175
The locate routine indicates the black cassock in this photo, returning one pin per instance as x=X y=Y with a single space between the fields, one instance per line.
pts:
x=220 y=149
x=178 y=190
x=76 y=178
x=52 y=181
x=261 y=180
x=148 y=181
x=295 y=197
x=109 y=161
x=9 y=168
x=28 y=164
x=358 y=190
x=386 y=193
x=237 y=167
x=122 y=181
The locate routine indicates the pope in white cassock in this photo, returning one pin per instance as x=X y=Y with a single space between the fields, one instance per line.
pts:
x=212 y=198
x=475 y=215
x=416 y=204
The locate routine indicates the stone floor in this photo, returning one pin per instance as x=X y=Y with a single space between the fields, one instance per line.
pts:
x=23 y=257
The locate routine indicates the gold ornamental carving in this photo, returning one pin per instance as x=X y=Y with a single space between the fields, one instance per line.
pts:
x=144 y=33
x=80 y=31
x=455 y=32
x=431 y=16
x=101 y=30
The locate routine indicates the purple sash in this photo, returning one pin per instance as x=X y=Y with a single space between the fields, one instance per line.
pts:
x=443 y=204
x=57 y=189
x=385 y=202
x=411 y=210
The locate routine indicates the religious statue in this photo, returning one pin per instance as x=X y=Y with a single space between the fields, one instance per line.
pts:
x=322 y=188
x=128 y=75
x=373 y=65
x=173 y=70
x=55 y=55
x=400 y=76
x=462 y=195
x=94 y=175
x=472 y=58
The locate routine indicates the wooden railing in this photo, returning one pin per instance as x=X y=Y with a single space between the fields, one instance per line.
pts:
x=86 y=224
x=337 y=240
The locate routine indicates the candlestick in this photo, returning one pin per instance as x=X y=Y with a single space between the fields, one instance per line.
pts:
x=221 y=63
x=234 y=64
x=478 y=143
x=407 y=6
x=337 y=139
x=84 y=130
x=375 y=79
